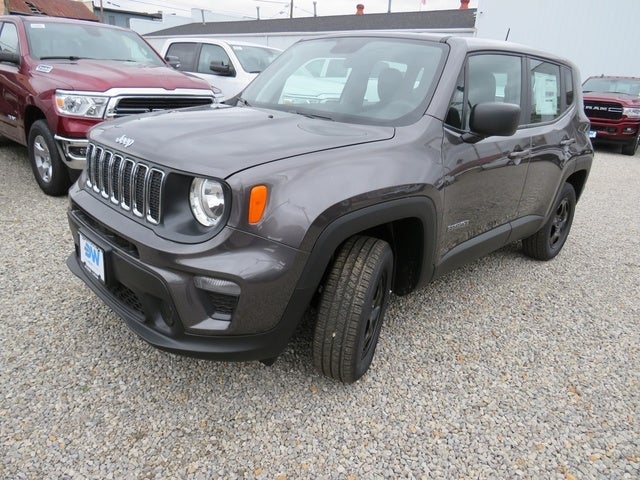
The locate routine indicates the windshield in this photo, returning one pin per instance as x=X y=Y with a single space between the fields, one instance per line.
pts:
x=48 y=40
x=254 y=59
x=370 y=80
x=630 y=86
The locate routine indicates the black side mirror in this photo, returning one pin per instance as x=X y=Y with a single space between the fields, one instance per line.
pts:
x=173 y=61
x=489 y=119
x=9 y=57
x=219 y=68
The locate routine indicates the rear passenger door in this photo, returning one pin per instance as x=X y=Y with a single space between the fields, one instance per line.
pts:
x=484 y=180
x=553 y=129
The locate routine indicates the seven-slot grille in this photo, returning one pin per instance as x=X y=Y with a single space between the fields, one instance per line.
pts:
x=130 y=184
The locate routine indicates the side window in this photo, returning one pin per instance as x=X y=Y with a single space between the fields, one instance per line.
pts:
x=186 y=52
x=212 y=53
x=486 y=78
x=9 y=38
x=545 y=91
x=568 y=86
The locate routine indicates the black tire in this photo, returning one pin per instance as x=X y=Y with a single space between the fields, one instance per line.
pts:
x=48 y=168
x=352 y=307
x=632 y=147
x=547 y=242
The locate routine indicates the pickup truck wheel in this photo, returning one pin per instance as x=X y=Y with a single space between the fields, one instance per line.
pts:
x=351 y=309
x=547 y=242
x=48 y=169
x=632 y=147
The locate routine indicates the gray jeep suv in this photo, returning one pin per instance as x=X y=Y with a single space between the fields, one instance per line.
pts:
x=354 y=166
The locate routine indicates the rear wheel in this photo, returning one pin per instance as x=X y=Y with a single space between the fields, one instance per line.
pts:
x=48 y=168
x=632 y=147
x=547 y=242
x=352 y=307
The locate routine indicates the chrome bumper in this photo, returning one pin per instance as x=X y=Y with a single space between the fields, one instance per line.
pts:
x=72 y=151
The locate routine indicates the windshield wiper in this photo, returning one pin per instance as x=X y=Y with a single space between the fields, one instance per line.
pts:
x=243 y=102
x=73 y=58
x=311 y=115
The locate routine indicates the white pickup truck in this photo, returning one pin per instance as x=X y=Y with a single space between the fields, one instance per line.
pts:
x=228 y=66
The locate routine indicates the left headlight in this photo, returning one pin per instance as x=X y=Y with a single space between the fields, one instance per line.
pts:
x=206 y=198
x=81 y=105
x=631 y=112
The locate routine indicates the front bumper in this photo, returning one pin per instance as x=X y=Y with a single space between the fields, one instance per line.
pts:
x=153 y=289
x=73 y=151
x=620 y=132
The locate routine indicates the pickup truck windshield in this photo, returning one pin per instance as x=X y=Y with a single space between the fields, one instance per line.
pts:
x=254 y=59
x=367 y=80
x=49 y=40
x=629 y=86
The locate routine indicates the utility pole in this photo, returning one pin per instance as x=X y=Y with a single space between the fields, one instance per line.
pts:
x=314 y=9
x=291 y=10
x=389 y=9
x=257 y=13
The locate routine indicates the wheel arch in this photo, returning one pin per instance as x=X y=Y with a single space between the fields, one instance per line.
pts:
x=31 y=115
x=409 y=225
x=578 y=179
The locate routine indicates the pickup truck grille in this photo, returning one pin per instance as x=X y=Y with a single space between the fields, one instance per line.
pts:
x=133 y=105
x=132 y=185
x=607 y=110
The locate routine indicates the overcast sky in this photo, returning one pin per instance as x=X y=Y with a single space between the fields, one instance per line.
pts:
x=280 y=9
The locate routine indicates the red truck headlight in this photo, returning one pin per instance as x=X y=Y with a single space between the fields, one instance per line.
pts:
x=81 y=104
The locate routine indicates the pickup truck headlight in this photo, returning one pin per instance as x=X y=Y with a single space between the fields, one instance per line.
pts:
x=207 y=201
x=631 y=112
x=81 y=105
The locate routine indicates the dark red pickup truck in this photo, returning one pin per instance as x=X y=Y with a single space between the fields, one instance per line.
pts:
x=59 y=77
x=613 y=107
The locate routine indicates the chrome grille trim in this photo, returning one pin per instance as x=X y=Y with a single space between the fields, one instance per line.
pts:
x=133 y=186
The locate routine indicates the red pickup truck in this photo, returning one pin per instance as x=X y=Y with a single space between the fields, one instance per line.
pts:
x=613 y=107
x=60 y=77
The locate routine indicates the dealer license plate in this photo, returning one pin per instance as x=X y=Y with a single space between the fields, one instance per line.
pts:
x=592 y=134
x=92 y=258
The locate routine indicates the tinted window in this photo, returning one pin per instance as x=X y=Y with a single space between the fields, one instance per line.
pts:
x=568 y=86
x=487 y=78
x=212 y=53
x=186 y=53
x=545 y=91
x=9 y=38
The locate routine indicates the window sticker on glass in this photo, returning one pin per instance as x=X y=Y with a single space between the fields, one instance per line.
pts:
x=546 y=94
x=38 y=25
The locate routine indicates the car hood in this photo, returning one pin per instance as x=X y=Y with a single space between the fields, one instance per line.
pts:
x=623 y=98
x=101 y=75
x=220 y=140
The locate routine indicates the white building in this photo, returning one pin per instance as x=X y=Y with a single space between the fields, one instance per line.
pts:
x=599 y=36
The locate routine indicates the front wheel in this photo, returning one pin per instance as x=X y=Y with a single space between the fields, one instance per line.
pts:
x=48 y=168
x=352 y=307
x=547 y=242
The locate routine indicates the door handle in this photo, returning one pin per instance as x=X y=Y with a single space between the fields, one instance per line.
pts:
x=520 y=154
x=567 y=142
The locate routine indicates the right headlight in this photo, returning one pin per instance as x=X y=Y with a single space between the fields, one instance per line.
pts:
x=206 y=198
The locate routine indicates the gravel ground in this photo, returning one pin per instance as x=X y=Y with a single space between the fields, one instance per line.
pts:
x=506 y=368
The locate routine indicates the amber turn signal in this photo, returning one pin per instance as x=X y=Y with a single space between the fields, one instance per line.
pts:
x=257 y=203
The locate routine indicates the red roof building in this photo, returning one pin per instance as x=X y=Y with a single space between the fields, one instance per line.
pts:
x=52 y=8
